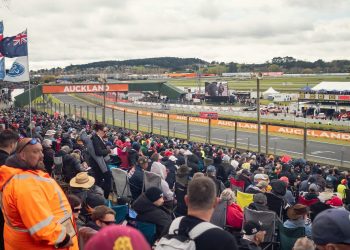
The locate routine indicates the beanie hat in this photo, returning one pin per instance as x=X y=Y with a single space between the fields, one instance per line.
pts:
x=153 y=194
x=117 y=237
x=260 y=198
x=211 y=169
x=313 y=188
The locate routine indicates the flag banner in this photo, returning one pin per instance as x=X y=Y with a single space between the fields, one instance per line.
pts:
x=14 y=46
x=19 y=71
x=2 y=68
x=2 y=60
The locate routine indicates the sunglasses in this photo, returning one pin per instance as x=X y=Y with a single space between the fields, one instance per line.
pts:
x=108 y=222
x=76 y=210
x=33 y=141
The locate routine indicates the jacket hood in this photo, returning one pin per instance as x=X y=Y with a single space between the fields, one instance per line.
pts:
x=143 y=205
x=159 y=168
x=15 y=166
x=6 y=173
x=278 y=187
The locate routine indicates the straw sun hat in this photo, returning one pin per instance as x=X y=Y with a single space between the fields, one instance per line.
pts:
x=82 y=180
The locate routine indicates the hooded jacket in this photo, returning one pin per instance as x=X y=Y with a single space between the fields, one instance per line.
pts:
x=148 y=212
x=160 y=169
x=34 y=207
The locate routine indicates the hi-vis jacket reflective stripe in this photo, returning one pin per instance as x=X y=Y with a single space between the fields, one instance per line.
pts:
x=34 y=206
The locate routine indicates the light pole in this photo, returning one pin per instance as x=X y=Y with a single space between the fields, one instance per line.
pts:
x=258 y=77
x=104 y=81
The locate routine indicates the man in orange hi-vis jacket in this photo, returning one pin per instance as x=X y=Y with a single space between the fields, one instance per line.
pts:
x=36 y=211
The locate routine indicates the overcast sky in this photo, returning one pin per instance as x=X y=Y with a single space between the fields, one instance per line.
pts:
x=64 y=32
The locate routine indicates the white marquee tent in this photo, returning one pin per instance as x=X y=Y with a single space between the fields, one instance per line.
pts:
x=269 y=92
x=332 y=86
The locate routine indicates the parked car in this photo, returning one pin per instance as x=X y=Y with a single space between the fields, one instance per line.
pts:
x=321 y=116
x=252 y=108
x=344 y=117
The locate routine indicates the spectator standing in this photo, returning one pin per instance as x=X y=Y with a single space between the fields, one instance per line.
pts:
x=103 y=175
x=8 y=143
x=33 y=202
x=49 y=154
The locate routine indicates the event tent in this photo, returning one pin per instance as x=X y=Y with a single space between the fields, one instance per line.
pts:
x=269 y=92
x=332 y=86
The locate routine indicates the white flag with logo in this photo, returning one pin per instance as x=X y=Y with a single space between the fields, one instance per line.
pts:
x=19 y=71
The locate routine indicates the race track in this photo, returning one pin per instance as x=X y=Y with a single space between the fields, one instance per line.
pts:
x=325 y=153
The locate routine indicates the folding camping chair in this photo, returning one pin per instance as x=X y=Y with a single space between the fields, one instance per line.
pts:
x=288 y=236
x=148 y=230
x=121 y=212
x=270 y=222
x=151 y=180
x=218 y=217
x=276 y=204
x=121 y=183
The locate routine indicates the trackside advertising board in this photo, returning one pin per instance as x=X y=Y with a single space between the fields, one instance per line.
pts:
x=84 y=88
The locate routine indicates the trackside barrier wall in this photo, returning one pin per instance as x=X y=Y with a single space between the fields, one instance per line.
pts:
x=168 y=125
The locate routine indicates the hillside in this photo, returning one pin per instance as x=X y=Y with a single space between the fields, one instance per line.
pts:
x=171 y=63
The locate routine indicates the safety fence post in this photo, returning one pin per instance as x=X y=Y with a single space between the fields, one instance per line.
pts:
x=305 y=143
x=124 y=118
x=188 y=128
x=235 y=134
x=137 y=120
x=267 y=139
x=168 y=126
x=113 y=119
x=152 y=123
x=209 y=131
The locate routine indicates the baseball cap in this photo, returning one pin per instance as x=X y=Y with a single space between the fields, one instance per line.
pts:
x=331 y=226
x=117 y=237
x=252 y=227
x=260 y=177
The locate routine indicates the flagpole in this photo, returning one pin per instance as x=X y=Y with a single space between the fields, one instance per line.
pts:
x=29 y=89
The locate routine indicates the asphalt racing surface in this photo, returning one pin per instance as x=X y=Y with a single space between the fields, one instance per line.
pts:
x=325 y=153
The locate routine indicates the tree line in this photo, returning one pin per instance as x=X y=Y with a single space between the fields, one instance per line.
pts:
x=160 y=65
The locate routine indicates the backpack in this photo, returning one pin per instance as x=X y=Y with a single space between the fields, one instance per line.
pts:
x=174 y=241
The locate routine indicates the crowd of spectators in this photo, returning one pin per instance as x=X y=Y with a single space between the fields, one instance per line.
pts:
x=58 y=191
